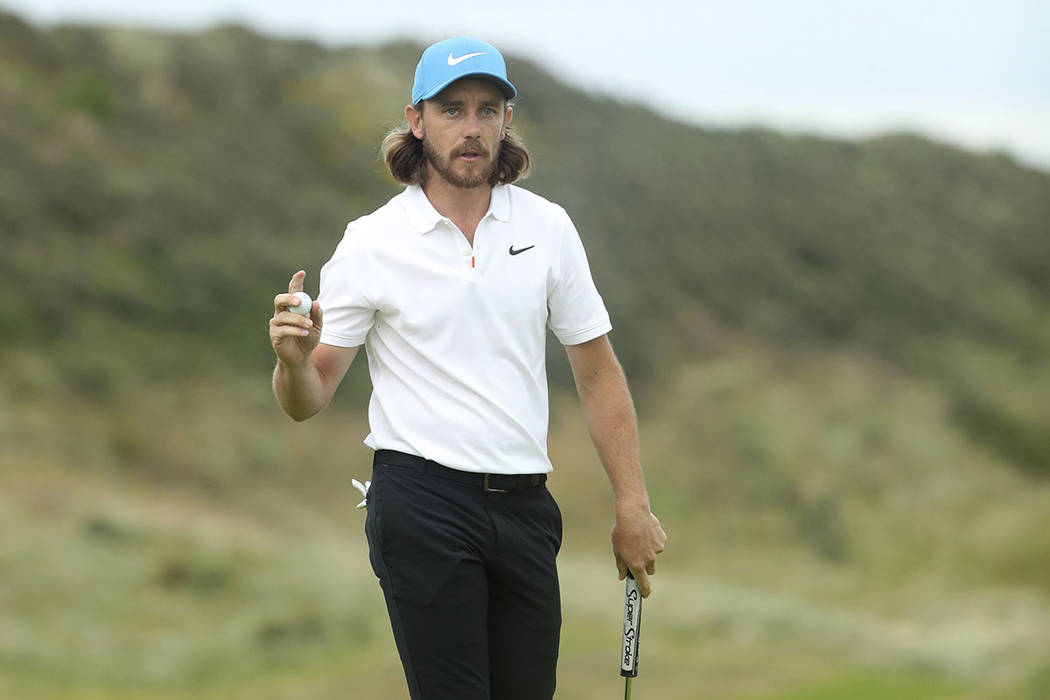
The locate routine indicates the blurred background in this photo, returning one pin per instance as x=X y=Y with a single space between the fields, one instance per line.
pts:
x=822 y=233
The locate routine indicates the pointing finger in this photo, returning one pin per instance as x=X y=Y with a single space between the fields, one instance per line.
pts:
x=296 y=284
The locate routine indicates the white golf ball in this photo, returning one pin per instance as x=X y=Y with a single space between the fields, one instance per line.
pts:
x=305 y=303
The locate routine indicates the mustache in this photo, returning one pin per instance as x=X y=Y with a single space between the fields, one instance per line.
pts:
x=470 y=147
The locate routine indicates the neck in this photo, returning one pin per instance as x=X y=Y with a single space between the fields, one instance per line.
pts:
x=464 y=206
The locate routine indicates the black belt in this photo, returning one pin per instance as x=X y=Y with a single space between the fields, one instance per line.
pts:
x=490 y=483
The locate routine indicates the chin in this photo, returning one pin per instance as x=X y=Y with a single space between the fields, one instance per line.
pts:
x=473 y=177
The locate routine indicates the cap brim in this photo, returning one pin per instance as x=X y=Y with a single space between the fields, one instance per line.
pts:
x=505 y=86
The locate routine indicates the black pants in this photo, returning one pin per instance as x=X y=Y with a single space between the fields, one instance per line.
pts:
x=469 y=578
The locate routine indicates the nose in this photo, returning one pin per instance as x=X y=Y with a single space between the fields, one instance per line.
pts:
x=472 y=126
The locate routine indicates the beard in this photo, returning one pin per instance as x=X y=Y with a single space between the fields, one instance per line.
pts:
x=477 y=173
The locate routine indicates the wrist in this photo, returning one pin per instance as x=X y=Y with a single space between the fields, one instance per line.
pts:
x=294 y=368
x=626 y=507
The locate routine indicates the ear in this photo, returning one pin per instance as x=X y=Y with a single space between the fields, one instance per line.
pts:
x=507 y=116
x=415 y=120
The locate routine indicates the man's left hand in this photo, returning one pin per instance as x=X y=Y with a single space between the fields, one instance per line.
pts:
x=637 y=538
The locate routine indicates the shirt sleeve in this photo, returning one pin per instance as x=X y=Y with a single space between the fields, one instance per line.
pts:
x=576 y=312
x=347 y=283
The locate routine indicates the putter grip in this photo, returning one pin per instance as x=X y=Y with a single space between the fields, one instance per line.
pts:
x=632 y=626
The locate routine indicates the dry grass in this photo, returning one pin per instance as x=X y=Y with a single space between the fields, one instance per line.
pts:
x=832 y=535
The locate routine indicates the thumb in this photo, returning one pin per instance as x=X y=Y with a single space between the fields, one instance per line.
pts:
x=296 y=283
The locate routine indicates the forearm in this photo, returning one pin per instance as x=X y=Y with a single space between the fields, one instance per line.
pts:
x=636 y=534
x=613 y=426
x=300 y=390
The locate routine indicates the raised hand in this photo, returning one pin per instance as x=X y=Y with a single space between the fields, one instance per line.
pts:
x=293 y=336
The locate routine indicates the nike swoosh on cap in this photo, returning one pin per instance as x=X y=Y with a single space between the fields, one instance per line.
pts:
x=456 y=61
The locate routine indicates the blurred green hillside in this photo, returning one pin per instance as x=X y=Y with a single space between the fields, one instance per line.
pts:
x=840 y=350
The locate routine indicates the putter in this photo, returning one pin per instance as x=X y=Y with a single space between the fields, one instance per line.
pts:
x=632 y=626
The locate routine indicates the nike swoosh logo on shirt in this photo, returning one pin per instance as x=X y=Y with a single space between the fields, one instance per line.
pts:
x=519 y=250
x=456 y=61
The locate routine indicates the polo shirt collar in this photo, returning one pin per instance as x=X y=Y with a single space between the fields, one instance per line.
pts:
x=425 y=217
x=499 y=204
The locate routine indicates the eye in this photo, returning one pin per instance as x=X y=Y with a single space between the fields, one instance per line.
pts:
x=488 y=111
x=451 y=110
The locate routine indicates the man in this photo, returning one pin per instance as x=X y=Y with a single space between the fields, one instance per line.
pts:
x=450 y=287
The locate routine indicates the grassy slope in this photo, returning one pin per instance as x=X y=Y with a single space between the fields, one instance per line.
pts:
x=137 y=165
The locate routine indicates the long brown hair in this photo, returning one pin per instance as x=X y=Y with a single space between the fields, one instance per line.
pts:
x=404 y=156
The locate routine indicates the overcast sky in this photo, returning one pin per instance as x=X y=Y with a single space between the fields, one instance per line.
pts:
x=971 y=72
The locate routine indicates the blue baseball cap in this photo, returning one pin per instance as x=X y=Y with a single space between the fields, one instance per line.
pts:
x=447 y=61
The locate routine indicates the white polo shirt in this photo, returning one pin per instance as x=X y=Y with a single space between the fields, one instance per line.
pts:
x=455 y=335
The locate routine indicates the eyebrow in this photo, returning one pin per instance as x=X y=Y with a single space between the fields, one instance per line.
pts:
x=460 y=103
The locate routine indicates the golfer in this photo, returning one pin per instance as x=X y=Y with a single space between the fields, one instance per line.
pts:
x=450 y=288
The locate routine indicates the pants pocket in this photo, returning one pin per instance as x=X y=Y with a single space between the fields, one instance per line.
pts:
x=373 y=517
x=556 y=520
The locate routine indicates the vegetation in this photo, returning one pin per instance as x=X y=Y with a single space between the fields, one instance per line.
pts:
x=840 y=351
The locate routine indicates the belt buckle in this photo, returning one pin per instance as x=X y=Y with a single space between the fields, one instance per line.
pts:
x=488 y=489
